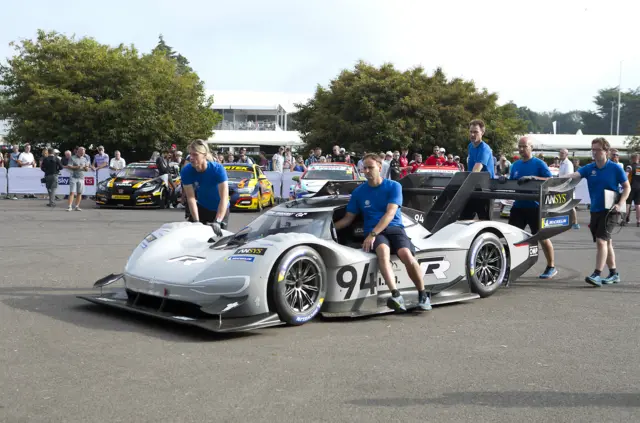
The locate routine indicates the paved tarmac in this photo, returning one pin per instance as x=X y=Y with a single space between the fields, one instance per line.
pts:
x=539 y=351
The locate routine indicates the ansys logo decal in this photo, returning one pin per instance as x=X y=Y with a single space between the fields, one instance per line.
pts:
x=555 y=199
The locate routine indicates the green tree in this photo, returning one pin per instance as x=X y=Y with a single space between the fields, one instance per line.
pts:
x=168 y=51
x=598 y=121
x=378 y=109
x=68 y=92
x=633 y=143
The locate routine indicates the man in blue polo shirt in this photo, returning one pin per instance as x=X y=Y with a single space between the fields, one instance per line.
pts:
x=525 y=212
x=480 y=160
x=601 y=175
x=379 y=201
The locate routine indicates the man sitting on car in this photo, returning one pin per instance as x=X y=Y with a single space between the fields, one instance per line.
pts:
x=379 y=200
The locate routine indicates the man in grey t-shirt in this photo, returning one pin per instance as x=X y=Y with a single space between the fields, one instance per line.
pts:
x=78 y=165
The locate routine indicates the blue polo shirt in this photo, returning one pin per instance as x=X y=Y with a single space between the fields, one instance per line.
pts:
x=372 y=203
x=532 y=167
x=205 y=184
x=608 y=177
x=482 y=154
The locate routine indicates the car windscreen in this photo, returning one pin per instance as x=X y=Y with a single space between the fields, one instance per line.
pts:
x=237 y=175
x=138 y=172
x=342 y=173
x=275 y=222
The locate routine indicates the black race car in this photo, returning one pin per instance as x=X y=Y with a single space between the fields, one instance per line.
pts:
x=137 y=185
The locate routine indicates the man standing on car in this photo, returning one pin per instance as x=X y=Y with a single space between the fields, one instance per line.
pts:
x=603 y=174
x=207 y=180
x=379 y=201
x=527 y=212
x=480 y=159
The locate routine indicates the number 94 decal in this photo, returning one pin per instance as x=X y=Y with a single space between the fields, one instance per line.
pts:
x=347 y=278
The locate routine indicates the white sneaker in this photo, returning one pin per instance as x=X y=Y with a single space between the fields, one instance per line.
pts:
x=78 y=209
x=69 y=209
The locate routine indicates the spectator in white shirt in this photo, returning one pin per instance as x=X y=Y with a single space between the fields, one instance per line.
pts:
x=117 y=163
x=26 y=159
x=278 y=160
x=566 y=168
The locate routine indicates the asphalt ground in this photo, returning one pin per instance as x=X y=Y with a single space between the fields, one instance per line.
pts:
x=539 y=351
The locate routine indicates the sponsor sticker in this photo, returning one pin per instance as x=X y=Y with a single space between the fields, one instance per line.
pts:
x=88 y=180
x=555 y=222
x=252 y=251
x=241 y=258
x=325 y=167
x=533 y=251
x=187 y=260
x=247 y=168
x=555 y=199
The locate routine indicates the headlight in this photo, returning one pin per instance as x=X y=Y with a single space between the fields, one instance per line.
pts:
x=148 y=187
x=102 y=186
x=245 y=190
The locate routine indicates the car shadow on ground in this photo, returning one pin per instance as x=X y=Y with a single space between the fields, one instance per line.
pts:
x=63 y=305
x=512 y=399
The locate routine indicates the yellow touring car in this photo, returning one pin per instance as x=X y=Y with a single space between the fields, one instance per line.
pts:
x=249 y=188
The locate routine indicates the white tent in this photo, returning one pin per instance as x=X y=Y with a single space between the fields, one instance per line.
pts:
x=248 y=138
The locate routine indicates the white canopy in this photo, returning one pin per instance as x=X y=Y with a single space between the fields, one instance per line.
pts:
x=246 y=138
x=575 y=142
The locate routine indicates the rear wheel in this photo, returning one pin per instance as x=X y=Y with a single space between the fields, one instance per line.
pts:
x=260 y=206
x=487 y=264
x=299 y=285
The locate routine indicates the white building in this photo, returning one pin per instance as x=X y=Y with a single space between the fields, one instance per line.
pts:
x=579 y=145
x=255 y=120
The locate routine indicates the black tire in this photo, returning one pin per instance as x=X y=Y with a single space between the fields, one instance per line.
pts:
x=295 y=302
x=164 y=199
x=487 y=264
x=260 y=207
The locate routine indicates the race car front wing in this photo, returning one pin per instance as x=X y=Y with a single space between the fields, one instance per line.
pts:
x=210 y=318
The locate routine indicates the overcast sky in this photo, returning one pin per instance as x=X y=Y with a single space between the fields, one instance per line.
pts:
x=545 y=54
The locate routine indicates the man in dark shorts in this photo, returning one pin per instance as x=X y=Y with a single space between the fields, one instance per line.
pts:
x=603 y=174
x=480 y=160
x=379 y=201
x=525 y=213
x=634 y=196
x=207 y=180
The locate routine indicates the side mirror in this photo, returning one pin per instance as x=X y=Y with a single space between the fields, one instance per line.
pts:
x=295 y=178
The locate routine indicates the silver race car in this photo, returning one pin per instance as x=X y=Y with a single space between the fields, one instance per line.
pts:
x=290 y=264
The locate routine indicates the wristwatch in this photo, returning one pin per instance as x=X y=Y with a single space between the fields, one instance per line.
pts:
x=373 y=234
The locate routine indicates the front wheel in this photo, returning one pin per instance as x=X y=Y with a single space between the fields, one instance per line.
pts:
x=299 y=285
x=486 y=264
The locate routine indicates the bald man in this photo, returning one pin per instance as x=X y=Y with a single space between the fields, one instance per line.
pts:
x=525 y=213
x=566 y=168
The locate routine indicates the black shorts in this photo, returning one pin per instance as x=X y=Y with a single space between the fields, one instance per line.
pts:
x=477 y=206
x=206 y=216
x=395 y=238
x=520 y=217
x=634 y=196
x=601 y=225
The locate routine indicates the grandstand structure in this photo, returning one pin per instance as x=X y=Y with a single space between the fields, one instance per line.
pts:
x=255 y=121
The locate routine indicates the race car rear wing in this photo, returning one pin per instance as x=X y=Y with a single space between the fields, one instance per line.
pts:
x=443 y=198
